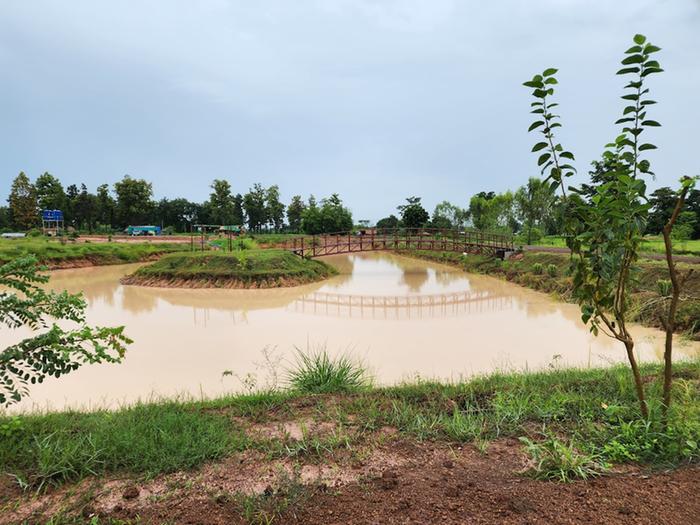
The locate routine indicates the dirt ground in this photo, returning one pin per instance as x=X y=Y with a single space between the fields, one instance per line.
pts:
x=390 y=481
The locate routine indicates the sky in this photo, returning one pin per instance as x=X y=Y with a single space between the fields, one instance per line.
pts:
x=376 y=100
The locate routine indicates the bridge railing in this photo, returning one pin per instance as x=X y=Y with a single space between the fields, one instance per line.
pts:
x=434 y=239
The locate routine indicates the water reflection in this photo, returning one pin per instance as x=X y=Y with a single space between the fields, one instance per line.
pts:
x=401 y=316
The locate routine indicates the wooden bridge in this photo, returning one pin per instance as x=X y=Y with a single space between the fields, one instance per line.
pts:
x=462 y=241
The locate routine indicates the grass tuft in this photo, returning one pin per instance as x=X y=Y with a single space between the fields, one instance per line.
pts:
x=316 y=372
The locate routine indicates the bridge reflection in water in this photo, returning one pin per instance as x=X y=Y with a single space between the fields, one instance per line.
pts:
x=400 y=307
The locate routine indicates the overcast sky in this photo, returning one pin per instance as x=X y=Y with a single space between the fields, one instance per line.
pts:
x=374 y=99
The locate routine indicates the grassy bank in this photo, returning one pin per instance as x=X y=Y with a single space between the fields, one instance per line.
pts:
x=588 y=415
x=54 y=254
x=241 y=269
x=650 y=244
x=548 y=272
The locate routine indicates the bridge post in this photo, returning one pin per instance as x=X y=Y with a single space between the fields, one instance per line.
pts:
x=361 y=241
x=349 y=242
x=302 y=247
x=313 y=245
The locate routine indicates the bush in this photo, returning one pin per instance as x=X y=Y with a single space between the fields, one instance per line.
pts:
x=552 y=270
x=537 y=269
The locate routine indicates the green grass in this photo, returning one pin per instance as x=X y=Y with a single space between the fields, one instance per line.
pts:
x=254 y=267
x=317 y=373
x=50 y=251
x=650 y=244
x=53 y=448
x=271 y=238
x=593 y=414
x=549 y=273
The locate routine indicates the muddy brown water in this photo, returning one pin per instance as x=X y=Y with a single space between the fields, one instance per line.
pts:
x=403 y=318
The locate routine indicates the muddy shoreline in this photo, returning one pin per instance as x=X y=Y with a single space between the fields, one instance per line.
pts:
x=221 y=283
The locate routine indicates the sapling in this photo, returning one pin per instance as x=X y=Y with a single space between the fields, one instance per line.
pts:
x=604 y=235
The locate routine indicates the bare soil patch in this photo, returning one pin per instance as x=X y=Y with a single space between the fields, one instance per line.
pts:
x=385 y=481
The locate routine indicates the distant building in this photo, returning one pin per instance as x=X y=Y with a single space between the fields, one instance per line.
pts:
x=136 y=231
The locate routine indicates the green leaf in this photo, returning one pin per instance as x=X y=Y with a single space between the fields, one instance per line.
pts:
x=652 y=71
x=623 y=120
x=631 y=96
x=649 y=49
x=647 y=102
x=533 y=84
x=543 y=158
x=633 y=59
x=639 y=39
x=539 y=93
x=535 y=125
x=645 y=147
x=539 y=146
x=626 y=70
x=629 y=109
x=651 y=123
x=549 y=72
x=551 y=80
x=634 y=49
x=567 y=155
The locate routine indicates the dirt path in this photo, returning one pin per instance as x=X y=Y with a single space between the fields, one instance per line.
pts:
x=396 y=482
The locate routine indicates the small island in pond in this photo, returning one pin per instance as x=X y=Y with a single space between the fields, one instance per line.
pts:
x=242 y=269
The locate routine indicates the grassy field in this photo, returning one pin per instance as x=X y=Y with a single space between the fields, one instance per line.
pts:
x=548 y=272
x=591 y=413
x=245 y=268
x=52 y=252
x=651 y=244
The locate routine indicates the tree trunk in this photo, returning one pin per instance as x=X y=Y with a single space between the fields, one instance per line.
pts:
x=629 y=346
x=669 y=323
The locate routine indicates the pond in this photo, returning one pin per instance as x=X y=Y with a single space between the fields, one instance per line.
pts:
x=403 y=318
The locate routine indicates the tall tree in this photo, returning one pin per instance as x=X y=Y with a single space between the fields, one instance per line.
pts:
x=221 y=204
x=85 y=209
x=390 y=222
x=49 y=192
x=413 y=215
x=134 y=204
x=22 y=201
x=274 y=208
x=295 y=211
x=311 y=218
x=105 y=205
x=533 y=204
x=238 y=213
x=334 y=216
x=447 y=215
x=255 y=209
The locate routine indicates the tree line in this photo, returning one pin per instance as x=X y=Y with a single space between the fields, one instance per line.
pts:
x=531 y=211
x=130 y=202
x=534 y=210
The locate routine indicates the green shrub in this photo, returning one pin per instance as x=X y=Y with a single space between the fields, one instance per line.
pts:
x=537 y=269
x=552 y=270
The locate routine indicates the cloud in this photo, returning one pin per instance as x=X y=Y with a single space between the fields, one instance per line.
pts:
x=403 y=96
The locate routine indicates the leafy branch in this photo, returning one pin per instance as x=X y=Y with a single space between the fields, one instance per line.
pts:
x=57 y=351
